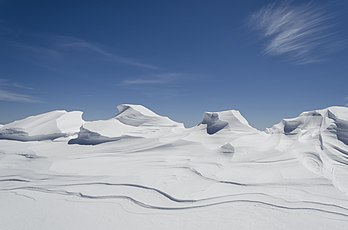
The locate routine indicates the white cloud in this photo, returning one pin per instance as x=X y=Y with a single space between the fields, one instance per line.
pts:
x=79 y=44
x=144 y=81
x=57 y=47
x=8 y=92
x=9 y=96
x=7 y=83
x=304 y=33
x=157 y=79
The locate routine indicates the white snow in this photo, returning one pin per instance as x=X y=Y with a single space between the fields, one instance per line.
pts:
x=138 y=115
x=227 y=148
x=49 y=125
x=230 y=120
x=132 y=121
x=141 y=170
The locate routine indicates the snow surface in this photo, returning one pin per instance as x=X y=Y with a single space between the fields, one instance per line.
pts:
x=132 y=121
x=141 y=170
x=47 y=126
x=230 y=120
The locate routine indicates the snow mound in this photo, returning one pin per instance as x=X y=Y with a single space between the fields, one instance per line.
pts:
x=333 y=118
x=227 y=148
x=132 y=121
x=47 y=126
x=149 y=171
x=138 y=115
x=320 y=139
x=230 y=120
x=86 y=137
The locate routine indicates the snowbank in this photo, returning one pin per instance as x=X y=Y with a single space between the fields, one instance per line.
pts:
x=47 y=126
x=230 y=120
x=132 y=121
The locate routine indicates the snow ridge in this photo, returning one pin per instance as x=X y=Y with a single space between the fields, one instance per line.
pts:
x=231 y=120
x=150 y=171
x=47 y=126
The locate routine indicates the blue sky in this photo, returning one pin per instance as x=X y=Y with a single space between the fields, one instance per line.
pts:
x=268 y=59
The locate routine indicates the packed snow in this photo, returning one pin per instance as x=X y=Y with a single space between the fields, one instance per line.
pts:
x=140 y=170
x=47 y=126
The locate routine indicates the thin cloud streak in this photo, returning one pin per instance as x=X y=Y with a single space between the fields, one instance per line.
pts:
x=9 y=94
x=142 y=81
x=58 y=46
x=305 y=33
x=158 y=79
x=7 y=83
x=79 y=44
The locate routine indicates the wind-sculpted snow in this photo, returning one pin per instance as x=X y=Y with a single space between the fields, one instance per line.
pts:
x=230 y=120
x=140 y=170
x=138 y=115
x=133 y=121
x=48 y=126
x=86 y=137
x=227 y=148
x=19 y=135
x=323 y=134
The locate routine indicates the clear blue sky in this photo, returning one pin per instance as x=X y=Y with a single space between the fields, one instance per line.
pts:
x=268 y=59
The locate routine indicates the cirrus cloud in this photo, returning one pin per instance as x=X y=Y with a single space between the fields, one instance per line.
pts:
x=304 y=33
x=8 y=92
x=155 y=79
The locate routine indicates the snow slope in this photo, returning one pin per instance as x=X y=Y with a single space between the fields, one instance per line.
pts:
x=47 y=126
x=141 y=170
x=132 y=121
x=225 y=120
x=323 y=134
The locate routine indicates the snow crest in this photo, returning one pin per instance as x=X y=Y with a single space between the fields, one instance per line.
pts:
x=143 y=169
x=47 y=126
x=229 y=120
x=132 y=121
x=323 y=134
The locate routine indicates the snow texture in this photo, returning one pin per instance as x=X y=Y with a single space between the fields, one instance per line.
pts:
x=140 y=170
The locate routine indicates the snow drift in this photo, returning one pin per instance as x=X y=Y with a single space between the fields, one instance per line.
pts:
x=143 y=169
x=132 y=121
x=324 y=134
x=138 y=115
x=228 y=120
x=47 y=126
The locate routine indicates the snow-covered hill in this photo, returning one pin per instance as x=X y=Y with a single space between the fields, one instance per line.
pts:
x=140 y=170
x=132 y=121
x=320 y=139
x=226 y=120
x=47 y=126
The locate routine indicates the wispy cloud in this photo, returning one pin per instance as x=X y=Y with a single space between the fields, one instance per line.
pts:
x=144 y=81
x=79 y=44
x=156 y=79
x=8 y=83
x=37 y=50
x=57 y=48
x=8 y=92
x=9 y=96
x=304 y=33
